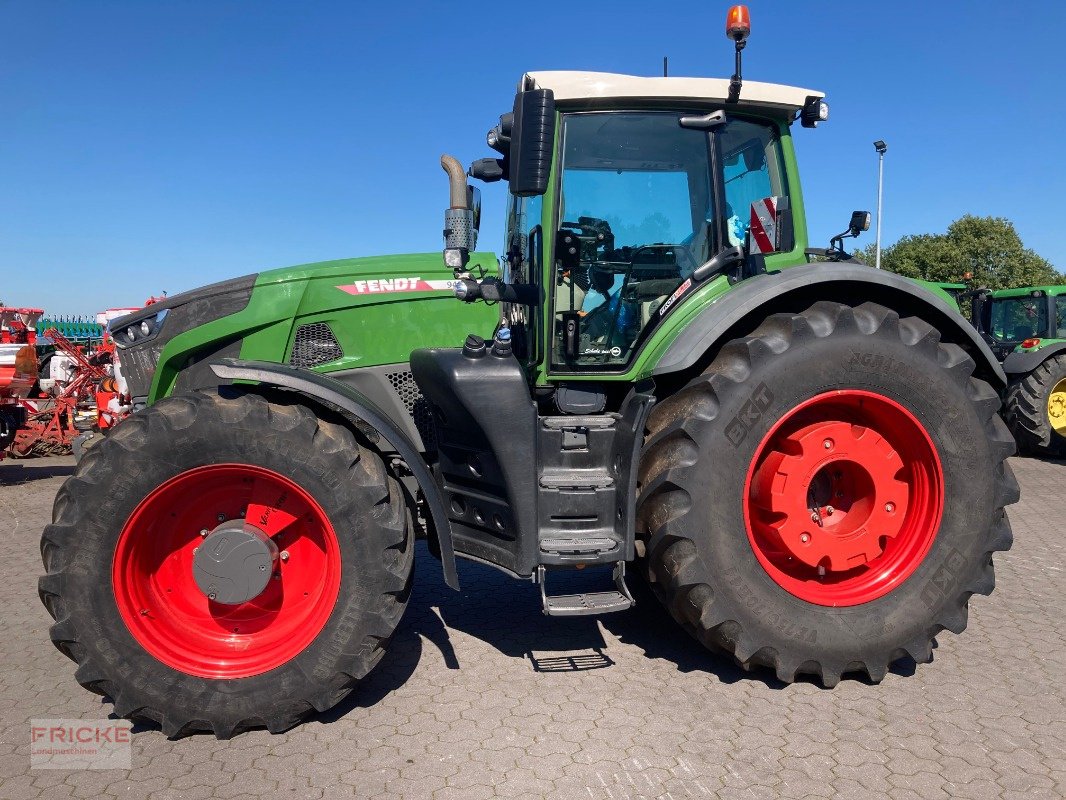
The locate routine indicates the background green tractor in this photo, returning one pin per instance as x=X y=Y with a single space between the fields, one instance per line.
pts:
x=1026 y=329
x=652 y=374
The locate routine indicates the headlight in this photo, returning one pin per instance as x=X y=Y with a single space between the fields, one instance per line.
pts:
x=142 y=331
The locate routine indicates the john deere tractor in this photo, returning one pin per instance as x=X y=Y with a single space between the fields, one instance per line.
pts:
x=804 y=460
x=1026 y=328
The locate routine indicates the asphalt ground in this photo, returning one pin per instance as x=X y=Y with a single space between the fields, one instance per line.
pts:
x=482 y=696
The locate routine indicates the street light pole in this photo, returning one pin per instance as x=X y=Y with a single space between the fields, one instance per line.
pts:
x=881 y=148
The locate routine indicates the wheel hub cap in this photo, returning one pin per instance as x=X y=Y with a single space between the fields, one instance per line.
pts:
x=831 y=494
x=1056 y=407
x=199 y=580
x=234 y=564
x=843 y=498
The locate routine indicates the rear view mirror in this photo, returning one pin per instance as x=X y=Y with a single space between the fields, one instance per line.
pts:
x=532 y=141
x=473 y=196
x=771 y=229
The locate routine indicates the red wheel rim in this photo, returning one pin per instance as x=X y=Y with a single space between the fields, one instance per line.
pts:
x=843 y=498
x=169 y=615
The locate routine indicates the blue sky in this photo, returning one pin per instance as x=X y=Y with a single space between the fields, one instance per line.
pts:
x=151 y=146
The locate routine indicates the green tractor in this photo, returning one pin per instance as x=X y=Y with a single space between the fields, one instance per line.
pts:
x=804 y=460
x=1026 y=329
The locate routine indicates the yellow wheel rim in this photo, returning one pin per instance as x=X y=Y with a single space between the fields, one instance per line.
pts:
x=1056 y=407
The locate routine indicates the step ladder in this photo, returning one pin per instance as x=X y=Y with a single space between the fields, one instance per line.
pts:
x=586 y=603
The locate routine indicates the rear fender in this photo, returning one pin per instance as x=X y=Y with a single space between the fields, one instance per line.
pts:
x=353 y=404
x=740 y=310
x=1022 y=362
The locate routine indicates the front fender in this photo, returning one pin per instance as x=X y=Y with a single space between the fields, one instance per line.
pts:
x=1022 y=362
x=739 y=311
x=351 y=402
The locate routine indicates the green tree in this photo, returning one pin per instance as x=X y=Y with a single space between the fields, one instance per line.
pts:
x=988 y=248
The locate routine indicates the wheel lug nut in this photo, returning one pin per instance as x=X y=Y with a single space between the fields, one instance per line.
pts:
x=284 y=555
x=211 y=596
x=829 y=511
x=828 y=444
x=814 y=517
x=221 y=517
x=890 y=507
x=805 y=537
x=204 y=532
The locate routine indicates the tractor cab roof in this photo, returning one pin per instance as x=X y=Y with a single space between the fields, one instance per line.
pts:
x=1027 y=291
x=570 y=85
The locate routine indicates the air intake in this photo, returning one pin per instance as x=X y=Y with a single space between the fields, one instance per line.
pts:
x=314 y=344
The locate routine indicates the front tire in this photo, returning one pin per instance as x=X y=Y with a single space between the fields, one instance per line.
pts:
x=837 y=405
x=121 y=550
x=1036 y=409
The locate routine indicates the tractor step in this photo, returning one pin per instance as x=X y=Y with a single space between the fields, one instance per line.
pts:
x=586 y=480
x=579 y=546
x=587 y=603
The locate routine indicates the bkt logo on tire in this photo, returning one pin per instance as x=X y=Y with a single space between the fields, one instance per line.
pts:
x=749 y=415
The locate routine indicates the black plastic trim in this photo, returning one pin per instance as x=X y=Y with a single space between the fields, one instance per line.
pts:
x=186 y=311
x=715 y=321
x=1024 y=363
x=232 y=286
x=335 y=393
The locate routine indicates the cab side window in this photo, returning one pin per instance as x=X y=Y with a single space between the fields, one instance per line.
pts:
x=637 y=196
x=752 y=170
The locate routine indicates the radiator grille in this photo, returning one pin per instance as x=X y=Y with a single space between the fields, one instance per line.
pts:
x=417 y=405
x=314 y=344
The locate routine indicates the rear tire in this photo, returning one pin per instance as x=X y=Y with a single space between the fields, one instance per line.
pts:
x=698 y=511
x=1036 y=409
x=334 y=603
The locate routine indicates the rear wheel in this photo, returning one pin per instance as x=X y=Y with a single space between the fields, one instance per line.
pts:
x=222 y=564
x=826 y=497
x=1036 y=409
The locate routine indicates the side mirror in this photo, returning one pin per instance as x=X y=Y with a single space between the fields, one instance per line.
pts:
x=532 y=141
x=473 y=196
x=771 y=229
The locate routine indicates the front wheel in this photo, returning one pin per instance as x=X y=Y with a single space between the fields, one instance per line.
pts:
x=826 y=497
x=221 y=564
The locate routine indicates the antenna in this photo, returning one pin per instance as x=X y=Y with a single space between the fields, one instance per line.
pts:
x=666 y=67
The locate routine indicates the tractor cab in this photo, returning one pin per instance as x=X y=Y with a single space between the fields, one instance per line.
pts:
x=628 y=195
x=1013 y=318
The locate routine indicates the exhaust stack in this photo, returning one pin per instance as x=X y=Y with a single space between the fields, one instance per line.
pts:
x=460 y=232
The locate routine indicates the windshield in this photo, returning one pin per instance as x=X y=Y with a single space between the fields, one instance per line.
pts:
x=1018 y=318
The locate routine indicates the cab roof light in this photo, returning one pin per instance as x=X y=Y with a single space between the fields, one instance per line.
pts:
x=738 y=23
x=737 y=28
